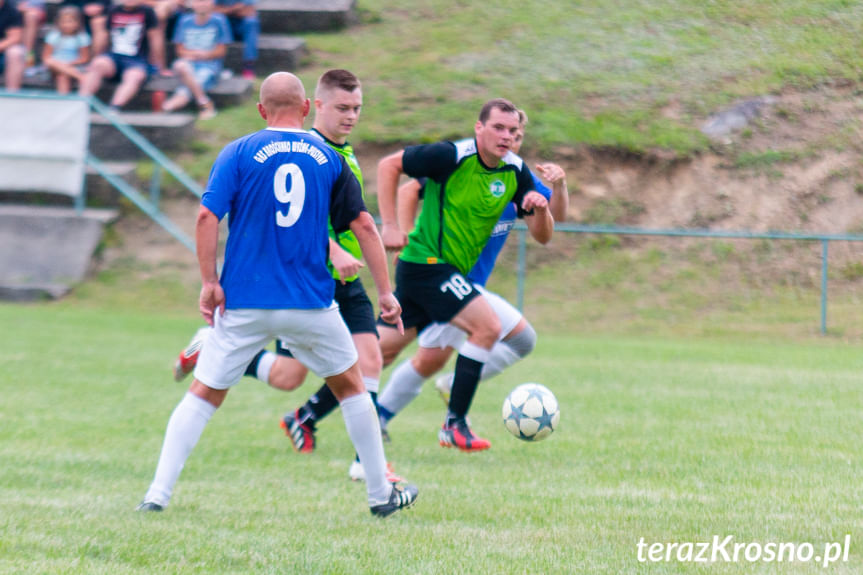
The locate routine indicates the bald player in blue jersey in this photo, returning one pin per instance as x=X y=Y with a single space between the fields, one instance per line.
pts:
x=281 y=186
x=438 y=341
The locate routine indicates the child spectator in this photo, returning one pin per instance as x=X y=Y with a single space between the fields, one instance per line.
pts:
x=135 y=38
x=201 y=37
x=32 y=14
x=67 y=47
x=95 y=16
x=243 y=17
x=12 y=51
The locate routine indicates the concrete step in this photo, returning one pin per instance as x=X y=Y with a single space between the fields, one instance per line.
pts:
x=164 y=131
x=100 y=192
x=47 y=250
x=229 y=91
x=294 y=16
x=276 y=53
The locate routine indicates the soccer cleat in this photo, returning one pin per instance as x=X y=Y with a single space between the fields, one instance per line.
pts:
x=188 y=358
x=149 y=506
x=300 y=432
x=385 y=435
x=402 y=497
x=358 y=473
x=443 y=385
x=457 y=433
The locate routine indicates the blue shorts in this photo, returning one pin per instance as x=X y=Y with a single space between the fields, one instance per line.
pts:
x=123 y=63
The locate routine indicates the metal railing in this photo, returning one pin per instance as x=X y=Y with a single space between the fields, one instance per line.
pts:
x=149 y=205
x=824 y=238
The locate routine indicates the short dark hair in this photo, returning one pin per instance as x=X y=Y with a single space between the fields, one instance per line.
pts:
x=338 y=78
x=501 y=104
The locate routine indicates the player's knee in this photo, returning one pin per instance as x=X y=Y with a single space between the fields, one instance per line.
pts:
x=523 y=342
x=487 y=333
x=426 y=365
x=371 y=363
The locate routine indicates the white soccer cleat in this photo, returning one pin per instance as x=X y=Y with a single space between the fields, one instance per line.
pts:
x=443 y=385
x=357 y=473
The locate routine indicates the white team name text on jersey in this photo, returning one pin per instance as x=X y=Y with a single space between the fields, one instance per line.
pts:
x=301 y=147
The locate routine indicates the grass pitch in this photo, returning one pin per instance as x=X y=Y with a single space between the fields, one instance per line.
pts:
x=670 y=439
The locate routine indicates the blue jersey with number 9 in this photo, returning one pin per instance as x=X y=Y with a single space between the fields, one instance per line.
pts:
x=280 y=186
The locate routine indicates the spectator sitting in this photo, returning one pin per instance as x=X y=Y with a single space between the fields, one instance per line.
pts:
x=12 y=51
x=134 y=38
x=67 y=47
x=32 y=14
x=243 y=17
x=165 y=10
x=95 y=17
x=201 y=38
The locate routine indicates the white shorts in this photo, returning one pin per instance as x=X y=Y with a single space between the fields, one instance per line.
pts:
x=445 y=335
x=318 y=338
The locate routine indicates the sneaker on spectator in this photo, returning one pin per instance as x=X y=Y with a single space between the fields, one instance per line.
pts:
x=249 y=75
x=206 y=111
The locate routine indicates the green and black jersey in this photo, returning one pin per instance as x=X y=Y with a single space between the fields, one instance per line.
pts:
x=347 y=239
x=463 y=201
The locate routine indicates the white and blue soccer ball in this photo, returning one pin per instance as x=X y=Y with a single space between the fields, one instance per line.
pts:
x=531 y=412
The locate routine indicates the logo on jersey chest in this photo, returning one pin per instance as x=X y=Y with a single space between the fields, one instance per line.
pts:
x=497 y=188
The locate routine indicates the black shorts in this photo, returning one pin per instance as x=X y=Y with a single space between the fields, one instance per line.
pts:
x=355 y=307
x=430 y=293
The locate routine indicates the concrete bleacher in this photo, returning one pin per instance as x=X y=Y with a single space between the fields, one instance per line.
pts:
x=47 y=249
x=49 y=243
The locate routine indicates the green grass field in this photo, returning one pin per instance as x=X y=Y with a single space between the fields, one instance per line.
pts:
x=666 y=438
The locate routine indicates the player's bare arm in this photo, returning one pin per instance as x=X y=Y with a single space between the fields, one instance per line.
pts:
x=408 y=205
x=390 y=169
x=344 y=263
x=554 y=175
x=206 y=245
x=373 y=251
x=541 y=223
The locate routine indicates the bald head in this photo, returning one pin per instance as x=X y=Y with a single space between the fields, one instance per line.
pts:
x=282 y=97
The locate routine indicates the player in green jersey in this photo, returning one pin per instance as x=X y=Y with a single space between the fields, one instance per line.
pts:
x=469 y=183
x=338 y=103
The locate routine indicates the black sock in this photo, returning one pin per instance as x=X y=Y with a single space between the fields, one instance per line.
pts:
x=464 y=384
x=321 y=403
x=252 y=368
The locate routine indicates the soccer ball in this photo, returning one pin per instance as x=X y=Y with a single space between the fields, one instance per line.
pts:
x=531 y=412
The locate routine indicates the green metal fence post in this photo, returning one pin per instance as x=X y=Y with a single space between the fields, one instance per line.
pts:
x=824 y=259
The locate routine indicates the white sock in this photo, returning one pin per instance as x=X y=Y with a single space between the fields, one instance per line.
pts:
x=404 y=385
x=502 y=356
x=184 y=429
x=365 y=433
x=371 y=383
x=265 y=364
